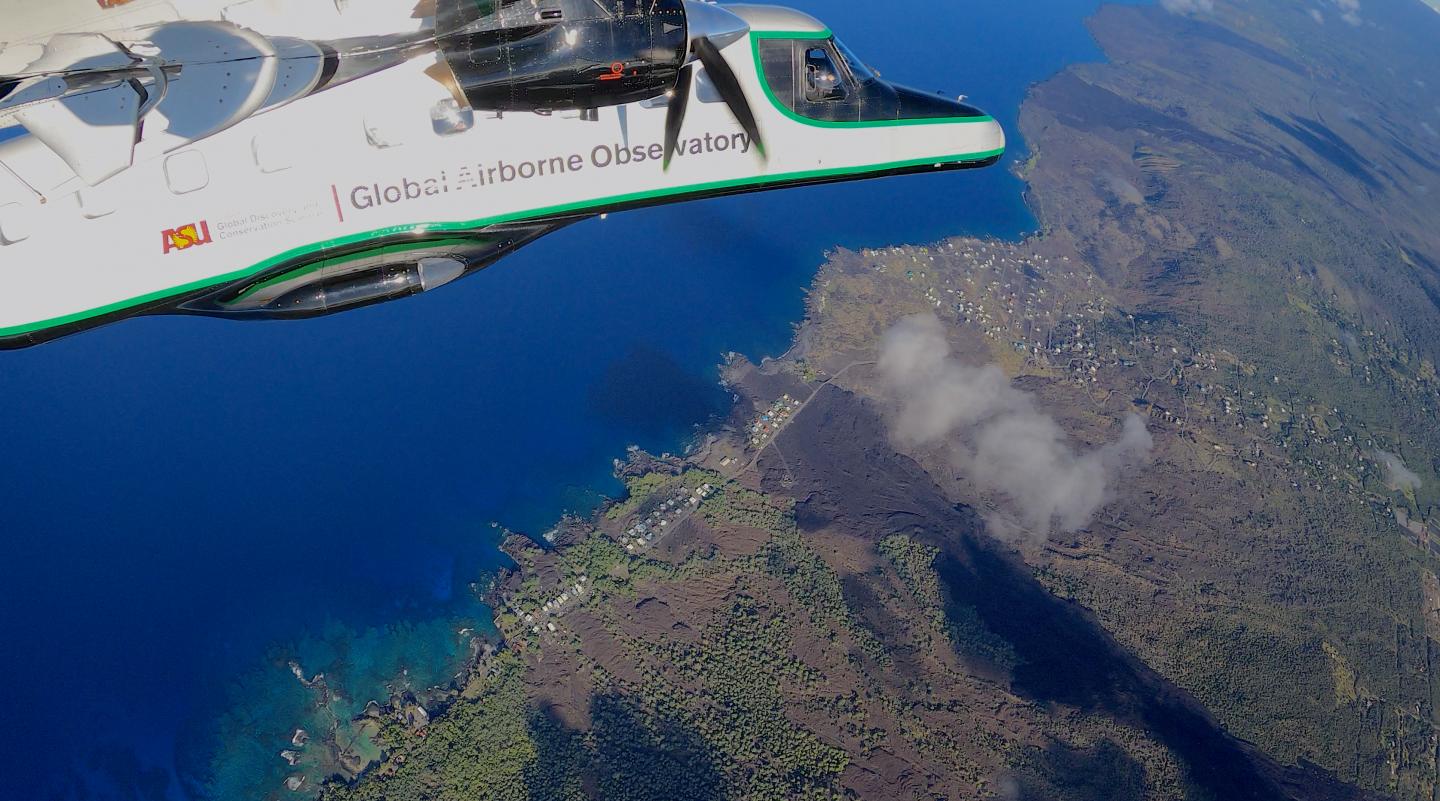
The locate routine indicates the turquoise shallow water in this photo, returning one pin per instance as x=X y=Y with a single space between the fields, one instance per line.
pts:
x=190 y=504
x=263 y=707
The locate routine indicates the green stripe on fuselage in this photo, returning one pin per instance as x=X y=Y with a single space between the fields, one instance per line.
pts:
x=758 y=36
x=595 y=206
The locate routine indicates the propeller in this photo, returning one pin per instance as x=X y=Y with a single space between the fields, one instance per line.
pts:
x=675 y=111
x=711 y=28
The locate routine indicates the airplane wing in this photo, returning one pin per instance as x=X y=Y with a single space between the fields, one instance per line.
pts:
x=93 y=130
x=98 y=81
x=30 y=23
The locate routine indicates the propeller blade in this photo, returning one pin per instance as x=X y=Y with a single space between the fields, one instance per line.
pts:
x=728 y=86
x=675 y=112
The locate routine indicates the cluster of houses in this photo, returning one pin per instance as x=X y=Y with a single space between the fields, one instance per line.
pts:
x=1058 y=318
x=771 y=419
x=1009 y=295
x=538 y=619
x=644 y=533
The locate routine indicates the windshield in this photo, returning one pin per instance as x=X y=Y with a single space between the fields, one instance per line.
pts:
x=858 y=68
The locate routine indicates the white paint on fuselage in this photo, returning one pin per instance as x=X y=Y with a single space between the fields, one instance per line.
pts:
x=27 y=24
x=309 y=173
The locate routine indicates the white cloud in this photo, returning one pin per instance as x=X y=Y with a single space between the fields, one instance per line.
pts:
x=996 y=435
x=1397 y=475
x=1317 y=16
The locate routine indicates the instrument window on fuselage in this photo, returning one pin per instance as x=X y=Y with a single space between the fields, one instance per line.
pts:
x=824 y=81
x=811 y=78
x=777 y=61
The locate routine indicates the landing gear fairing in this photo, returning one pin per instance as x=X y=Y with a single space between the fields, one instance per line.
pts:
x=259 y=159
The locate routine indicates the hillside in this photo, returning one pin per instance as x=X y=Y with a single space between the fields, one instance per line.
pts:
x=1212 y=573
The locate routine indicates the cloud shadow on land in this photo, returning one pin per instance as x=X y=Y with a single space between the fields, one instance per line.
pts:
x=847 y=480
x=629 y=756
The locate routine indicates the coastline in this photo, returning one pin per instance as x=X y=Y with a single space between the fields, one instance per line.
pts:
x=1126 y=344
x=716 y=456
x=375 y=567
x=708 y=446
x=530 y=598
x=720 y=452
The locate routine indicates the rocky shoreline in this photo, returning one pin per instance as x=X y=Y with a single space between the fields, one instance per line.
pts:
x=351 y=746
x=343 y=750
x=1253 y=550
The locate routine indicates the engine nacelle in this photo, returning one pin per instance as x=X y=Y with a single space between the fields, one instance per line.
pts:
x=339 y=280
x=551 y=55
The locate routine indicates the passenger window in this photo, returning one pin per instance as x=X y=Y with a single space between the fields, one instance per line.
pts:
x=186 y=172
x=822 y=76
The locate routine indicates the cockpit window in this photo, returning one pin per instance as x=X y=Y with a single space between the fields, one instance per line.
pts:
x=862 y=72
x=823 y=79
x=819 y=79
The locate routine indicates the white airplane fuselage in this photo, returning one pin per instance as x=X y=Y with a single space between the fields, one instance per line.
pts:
x=259 y=207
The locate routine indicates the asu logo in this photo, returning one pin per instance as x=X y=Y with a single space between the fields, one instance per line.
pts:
x=110 y=3
x=186 y=236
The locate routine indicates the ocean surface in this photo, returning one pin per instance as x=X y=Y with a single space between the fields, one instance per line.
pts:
x=189 y=505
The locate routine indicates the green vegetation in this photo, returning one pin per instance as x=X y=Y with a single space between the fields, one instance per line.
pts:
x=780 y=688
x=498 y=746
x=1273 y=314
x=732 y=504
x=637 y=490
x=742 y=667
x=593 y=556
x=815 y=587
x=915 y=562
x=954 y=622
x=480 y=750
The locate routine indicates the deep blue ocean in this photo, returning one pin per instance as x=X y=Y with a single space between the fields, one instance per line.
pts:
x=187 y=504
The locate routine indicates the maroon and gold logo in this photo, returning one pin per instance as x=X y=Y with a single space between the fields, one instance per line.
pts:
x=111 y=3
x=186 y=236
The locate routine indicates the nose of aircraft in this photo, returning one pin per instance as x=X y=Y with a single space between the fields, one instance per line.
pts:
x=977 y=131
x=915 y=104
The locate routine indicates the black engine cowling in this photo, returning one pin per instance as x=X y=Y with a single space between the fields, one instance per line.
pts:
x=550 y=55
